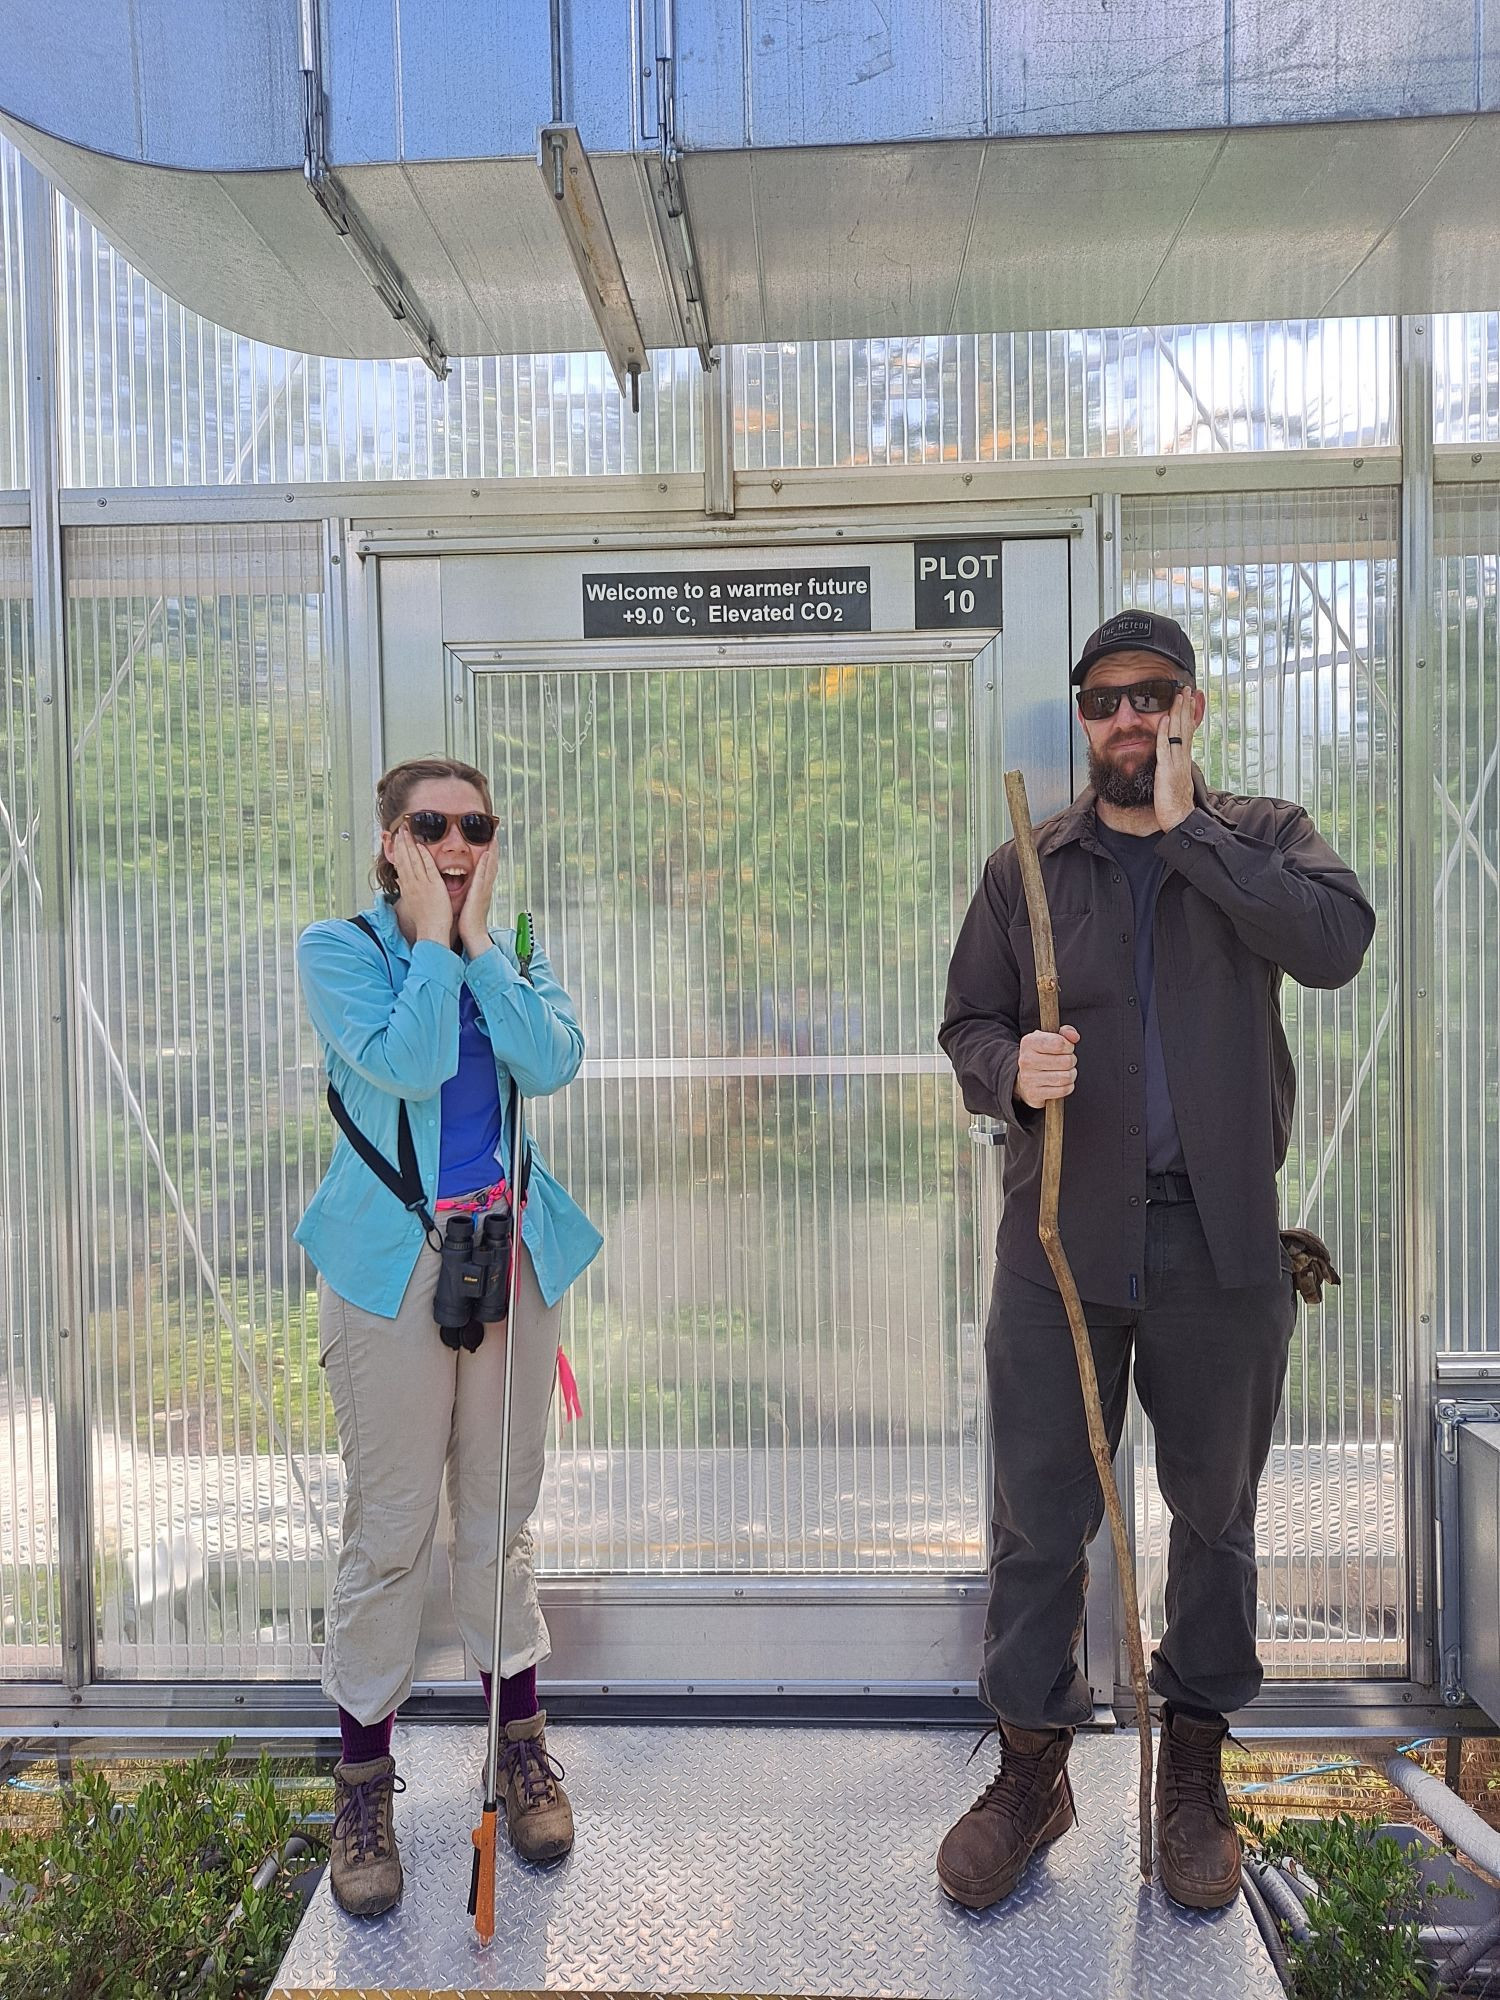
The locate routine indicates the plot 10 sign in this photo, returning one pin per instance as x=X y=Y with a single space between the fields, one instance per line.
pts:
x=956 y=583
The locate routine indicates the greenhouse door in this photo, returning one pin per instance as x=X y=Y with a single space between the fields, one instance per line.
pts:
x=747 y=857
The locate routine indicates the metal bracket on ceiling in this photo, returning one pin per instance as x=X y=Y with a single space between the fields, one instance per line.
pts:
x=569 y=176
x=328 y=192
x=670 y=216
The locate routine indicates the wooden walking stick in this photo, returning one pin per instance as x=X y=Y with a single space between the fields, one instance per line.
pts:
x=1052 y=1141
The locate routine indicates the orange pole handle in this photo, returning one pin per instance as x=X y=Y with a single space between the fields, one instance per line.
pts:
x=482 y=1880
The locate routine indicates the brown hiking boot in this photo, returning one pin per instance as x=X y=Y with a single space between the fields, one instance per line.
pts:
x=363 y=1864
x=1200 y=1850
x=537 y=1814
x=1030 y=1802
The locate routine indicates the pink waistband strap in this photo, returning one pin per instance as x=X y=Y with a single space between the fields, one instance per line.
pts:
x=469 y=1203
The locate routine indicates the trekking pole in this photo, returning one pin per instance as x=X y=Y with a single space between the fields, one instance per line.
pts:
x=482 y=1877
x=1052 y=1138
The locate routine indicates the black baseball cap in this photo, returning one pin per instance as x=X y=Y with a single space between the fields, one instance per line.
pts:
x=1138 y=632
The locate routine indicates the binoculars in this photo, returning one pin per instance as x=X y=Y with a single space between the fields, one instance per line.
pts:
x=473 y=1286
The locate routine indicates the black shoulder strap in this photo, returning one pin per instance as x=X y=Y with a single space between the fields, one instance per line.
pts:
x=403 y=1180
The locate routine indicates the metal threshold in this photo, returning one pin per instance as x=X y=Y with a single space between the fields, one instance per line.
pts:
x=783 y=1861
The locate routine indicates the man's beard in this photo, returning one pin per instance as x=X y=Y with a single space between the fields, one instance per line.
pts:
x=1136 y=787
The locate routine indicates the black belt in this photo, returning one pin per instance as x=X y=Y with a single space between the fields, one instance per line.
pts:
x=1161 y=1188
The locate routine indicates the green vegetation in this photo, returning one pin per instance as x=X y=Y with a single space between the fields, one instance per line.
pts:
x=1364 y=1918
x=150 y=1899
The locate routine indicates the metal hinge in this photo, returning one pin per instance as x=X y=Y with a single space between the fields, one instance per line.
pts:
x=1451 y=1418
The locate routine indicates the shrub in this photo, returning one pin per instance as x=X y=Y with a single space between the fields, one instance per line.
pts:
x=133 y=1902
x=1364 y=1919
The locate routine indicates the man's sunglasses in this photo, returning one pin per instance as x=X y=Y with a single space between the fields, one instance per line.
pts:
x=1146 y=698
x=478 y=829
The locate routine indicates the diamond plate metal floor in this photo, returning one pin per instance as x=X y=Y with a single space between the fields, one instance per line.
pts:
x=764 y=1861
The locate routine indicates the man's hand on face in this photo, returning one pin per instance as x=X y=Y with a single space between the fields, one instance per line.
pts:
x=1174 y=762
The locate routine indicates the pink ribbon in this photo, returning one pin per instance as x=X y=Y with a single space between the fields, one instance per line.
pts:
x=567 y=1382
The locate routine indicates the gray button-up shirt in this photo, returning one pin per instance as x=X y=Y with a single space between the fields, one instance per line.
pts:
x=1251 y=892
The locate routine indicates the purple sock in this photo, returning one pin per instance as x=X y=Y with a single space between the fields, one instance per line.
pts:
x=365 y=1740
x=517 y=1694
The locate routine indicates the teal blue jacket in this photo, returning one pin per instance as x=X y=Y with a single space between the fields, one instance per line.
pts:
x=389 y=1029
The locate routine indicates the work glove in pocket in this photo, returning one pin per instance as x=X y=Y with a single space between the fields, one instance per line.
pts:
x=1312 y=1266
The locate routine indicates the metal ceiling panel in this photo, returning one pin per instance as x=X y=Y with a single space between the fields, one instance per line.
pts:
x=482 y=249
x=1066 y=66
x=1075 y=228
x=218 y=88
x=1354 y=59
x=852 y=241
x=475 y=239
x=809 y=72
x=1447 y=246
x=831 y=242
x=361 y=82
x=250 y=252
x=1287 y=217
x=225 y=77
x=478 y=86
x=722 y=195
x=98 y=41
x=711 y=65
x=191 y=86
x=479 y=248
x=829 y=74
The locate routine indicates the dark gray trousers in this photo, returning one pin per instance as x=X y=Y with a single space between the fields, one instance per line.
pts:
x=1209 y=1368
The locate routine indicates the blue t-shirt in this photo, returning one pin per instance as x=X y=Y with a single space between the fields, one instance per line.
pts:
x=472 y=1117
x=1143 y=868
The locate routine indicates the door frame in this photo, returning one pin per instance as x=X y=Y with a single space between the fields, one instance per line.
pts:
x=845 y=1639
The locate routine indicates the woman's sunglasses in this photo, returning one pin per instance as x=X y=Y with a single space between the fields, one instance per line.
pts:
x=1145 y=697
x=478 y=829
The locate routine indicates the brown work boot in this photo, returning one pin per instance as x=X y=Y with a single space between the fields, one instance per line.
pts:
x=537 y=1814
x=1200 y=1850
x=1030 y=1802
x=363 y=1863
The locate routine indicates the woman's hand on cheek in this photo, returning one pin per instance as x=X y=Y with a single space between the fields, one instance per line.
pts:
x=474 y=917
x=422 y=889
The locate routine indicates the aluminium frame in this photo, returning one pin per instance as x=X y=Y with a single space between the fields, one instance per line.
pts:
x=717 y=510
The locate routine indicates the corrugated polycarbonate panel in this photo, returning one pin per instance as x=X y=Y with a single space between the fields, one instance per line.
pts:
x=205 y=839
x=1466 y=378
x=1136 y=392
x=30 y=1635
x=12 y=325
x=1291 y=602
x=1466 y=770
x=747 y=879
x=155 y=396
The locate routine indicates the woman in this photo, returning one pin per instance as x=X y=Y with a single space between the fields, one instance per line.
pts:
x=425 y=1019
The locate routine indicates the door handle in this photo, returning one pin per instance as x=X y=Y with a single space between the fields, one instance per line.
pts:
x=988 y=1131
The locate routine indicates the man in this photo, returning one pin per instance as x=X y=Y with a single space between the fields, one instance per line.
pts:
x=1176 y=911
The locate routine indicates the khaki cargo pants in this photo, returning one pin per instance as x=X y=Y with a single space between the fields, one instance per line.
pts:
x=411 y=1411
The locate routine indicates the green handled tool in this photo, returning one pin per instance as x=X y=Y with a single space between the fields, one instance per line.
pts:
x=482 y=1879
